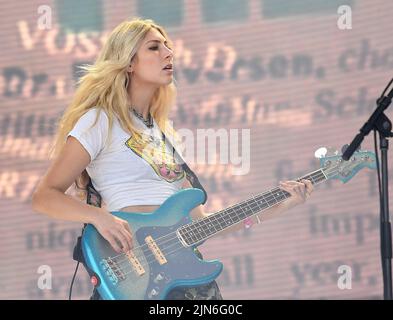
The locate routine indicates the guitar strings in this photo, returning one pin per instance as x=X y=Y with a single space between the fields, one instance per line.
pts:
x=175 y=247
x=180 y=247
x=165 y=247
x=160 y=239
x=175 y=237
x=230 y=207
x=161 y=243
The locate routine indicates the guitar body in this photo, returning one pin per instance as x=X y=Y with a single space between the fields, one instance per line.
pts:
x=152 y=276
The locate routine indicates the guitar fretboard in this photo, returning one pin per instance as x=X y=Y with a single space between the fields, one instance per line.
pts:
x=200 y=230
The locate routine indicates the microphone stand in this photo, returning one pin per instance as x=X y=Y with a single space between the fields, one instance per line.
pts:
x=378 y=121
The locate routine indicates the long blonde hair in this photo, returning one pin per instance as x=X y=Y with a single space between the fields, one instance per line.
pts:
x=104 y=86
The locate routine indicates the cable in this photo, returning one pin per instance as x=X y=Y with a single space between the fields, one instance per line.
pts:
x=72 y=282
x=386 y=88
x=378 y=170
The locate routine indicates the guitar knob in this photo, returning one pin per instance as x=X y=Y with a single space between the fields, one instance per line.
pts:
x=153 y=293
x=345 y=173
x=158 y=278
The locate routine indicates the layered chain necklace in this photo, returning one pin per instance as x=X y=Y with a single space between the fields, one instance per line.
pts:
x=148 y=123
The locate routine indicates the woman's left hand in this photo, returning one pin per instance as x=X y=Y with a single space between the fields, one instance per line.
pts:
x=300 y=191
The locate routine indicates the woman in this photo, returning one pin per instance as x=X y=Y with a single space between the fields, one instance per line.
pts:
x=111 y=133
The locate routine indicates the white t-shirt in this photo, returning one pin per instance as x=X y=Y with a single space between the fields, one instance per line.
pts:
x=128 y=170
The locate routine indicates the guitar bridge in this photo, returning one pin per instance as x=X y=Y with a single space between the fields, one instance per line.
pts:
x=112 y=270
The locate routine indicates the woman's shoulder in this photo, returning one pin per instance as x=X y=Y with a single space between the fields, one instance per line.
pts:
x=94 y=113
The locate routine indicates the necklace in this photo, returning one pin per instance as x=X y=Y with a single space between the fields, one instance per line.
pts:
x=148 y=123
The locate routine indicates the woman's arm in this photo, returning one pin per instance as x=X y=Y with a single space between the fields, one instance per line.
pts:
x=49 y=197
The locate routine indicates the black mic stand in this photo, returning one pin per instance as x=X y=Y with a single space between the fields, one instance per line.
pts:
x=381 y=123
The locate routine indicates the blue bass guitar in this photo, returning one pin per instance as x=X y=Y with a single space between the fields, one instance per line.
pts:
x=163 y=256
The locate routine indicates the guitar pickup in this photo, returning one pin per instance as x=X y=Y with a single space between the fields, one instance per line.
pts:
x=135 y=263
x=156 y=251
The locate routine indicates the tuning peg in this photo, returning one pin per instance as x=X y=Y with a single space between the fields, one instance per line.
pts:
x=331 y=152
x=325 y=152
x=344 y=148
x=320 y=153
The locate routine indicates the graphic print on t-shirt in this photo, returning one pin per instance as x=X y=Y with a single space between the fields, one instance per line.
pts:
x=154 y=152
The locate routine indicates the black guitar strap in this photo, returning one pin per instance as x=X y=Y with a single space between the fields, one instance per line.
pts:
x=190 y=175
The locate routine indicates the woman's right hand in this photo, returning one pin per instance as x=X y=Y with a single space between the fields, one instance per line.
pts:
x=115 y=230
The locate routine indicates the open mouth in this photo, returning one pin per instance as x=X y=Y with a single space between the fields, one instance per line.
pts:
x=168 y=67
x=168 y=70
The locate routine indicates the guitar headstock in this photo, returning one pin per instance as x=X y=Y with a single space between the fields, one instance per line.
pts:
x=335 y=167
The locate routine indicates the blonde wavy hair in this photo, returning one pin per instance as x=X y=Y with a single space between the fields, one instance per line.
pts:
x=104 y=86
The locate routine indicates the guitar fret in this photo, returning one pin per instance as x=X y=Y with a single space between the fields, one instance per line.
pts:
x=194 y=233
x=251 y=210
x=238 y=215
x=204 y=226
x=254 y=207
x=256 y=202
x=243 y=214
x=211 y=225
x=269 y=200
x=212 y=222
x=263 y=204
x=198 y=232
x=230 y=215
x=218 y=219
x=233 y=215
x=185 y=234
x=191 y=235
x=283 y=194
x=208 y=230
x=274 y=197
x=228 y=219
x=201 y=229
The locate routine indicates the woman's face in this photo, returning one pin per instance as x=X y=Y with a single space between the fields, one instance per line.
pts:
x=152 y=56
